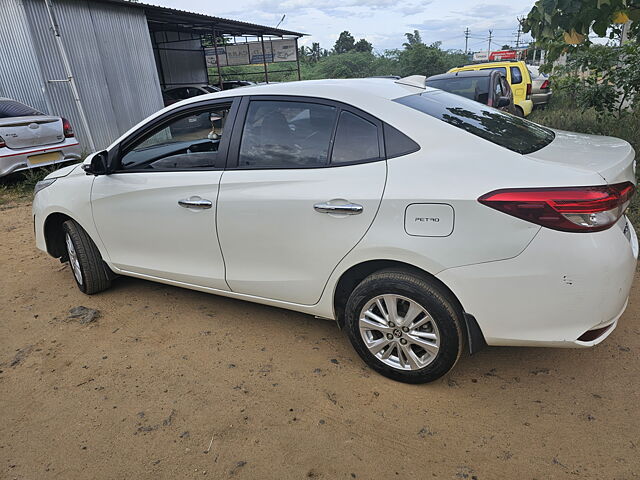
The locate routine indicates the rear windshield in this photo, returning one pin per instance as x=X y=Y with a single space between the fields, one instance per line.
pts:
x=473 y=88
x=508 y=131
x=11 y=108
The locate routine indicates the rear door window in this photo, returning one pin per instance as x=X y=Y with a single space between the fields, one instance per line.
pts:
x=516 y=75
x=286 y=134
x=508 y=131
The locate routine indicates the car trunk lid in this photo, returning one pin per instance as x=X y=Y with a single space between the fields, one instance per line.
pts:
x=31 y=131
x=612 y=158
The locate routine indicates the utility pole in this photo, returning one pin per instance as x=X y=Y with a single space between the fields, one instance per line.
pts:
x=518 y=33
x=489 y=47
x=466 y=41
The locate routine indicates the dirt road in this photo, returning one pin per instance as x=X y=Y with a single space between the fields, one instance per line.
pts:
x=171 y=383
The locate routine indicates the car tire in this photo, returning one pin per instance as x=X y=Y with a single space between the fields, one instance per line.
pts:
x=439 y=323
x=519 y=112
x=89 y=270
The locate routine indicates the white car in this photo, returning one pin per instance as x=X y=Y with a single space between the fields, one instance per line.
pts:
x=31 y=139
x=417 y=219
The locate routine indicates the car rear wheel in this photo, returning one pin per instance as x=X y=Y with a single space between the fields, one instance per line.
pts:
x=404 y=326
x=519 y=112
x=89 y=271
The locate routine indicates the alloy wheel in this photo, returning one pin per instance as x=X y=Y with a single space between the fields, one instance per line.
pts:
x=73 y=259
x=399 y=332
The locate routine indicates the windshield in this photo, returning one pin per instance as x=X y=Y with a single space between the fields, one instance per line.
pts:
x=11 y=108
x=508 y=131
x=473 y=88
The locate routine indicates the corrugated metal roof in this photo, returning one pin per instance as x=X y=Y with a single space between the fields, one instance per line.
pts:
x=198 y=21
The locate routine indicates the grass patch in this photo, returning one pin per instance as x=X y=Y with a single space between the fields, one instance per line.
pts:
x=564 y=114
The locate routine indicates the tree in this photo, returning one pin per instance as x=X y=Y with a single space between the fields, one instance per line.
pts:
x=559 y=24
x=363 y=46
x=505 y=47
x=345 y=43
x=346 y=65
x=418 y=58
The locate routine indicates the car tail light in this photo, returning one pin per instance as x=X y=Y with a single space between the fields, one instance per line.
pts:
x=528 y=90
x=67 y=128
x=545 y=84
x=568 y=209
x=2 y=143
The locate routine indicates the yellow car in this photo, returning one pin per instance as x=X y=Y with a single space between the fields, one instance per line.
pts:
x=518 y=77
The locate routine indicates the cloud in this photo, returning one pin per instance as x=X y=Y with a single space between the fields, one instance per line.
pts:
x=382 y=22
x=487 y=10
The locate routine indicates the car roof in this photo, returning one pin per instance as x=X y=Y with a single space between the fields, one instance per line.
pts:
x=344 y=90
x=464 y=74
x=501 y=63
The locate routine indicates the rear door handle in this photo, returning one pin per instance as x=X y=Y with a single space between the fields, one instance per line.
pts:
x=196 y=203
x=344 y=209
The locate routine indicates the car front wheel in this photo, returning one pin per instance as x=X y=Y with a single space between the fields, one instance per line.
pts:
x=86 y=263
x=404 y=326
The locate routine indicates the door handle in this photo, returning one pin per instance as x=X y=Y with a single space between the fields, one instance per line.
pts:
x=344 y=209
x=195 y=202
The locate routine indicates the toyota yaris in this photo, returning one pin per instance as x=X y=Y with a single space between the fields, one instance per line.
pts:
x=419 y=220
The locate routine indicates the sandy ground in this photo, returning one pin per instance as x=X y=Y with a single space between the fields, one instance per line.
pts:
x=171 y=383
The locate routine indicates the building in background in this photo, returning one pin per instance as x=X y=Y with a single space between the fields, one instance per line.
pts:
x=103 y=63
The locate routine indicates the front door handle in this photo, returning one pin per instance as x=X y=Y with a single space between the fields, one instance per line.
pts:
x=343 y=209
x=195 y=202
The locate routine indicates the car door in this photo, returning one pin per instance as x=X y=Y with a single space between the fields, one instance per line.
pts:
x=304 y=182
x=156 y=213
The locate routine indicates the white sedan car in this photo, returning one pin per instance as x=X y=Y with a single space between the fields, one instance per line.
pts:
x=417 y=219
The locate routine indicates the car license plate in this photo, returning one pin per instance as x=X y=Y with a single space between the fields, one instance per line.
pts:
x=44 y=158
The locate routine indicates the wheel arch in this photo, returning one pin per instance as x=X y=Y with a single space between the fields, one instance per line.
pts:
x=351 y=277
x=54 y=234
x=356 y=273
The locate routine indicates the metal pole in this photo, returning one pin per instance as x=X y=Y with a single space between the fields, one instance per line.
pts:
x=466 y=41
x=163 y=82
x=489 y=48
x=204 y=57
x=298 y=59
x=67 y=68
x=215 y=49
x=264 y=60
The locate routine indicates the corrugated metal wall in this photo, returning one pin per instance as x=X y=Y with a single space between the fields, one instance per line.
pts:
x=112 y=60
x=180 y=61
x=20 y=76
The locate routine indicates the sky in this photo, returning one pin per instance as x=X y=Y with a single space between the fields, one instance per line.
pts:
x=381 y=22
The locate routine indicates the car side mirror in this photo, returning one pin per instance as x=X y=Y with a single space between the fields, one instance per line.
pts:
x=503 y=102
x=98 y=164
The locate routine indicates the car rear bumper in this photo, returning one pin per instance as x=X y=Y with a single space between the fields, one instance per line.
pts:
x=16 y=160
x=526 y=106
x=541 y=98
x=564 y=290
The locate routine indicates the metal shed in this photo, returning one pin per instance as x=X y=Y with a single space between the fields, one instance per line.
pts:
x=98 y=63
